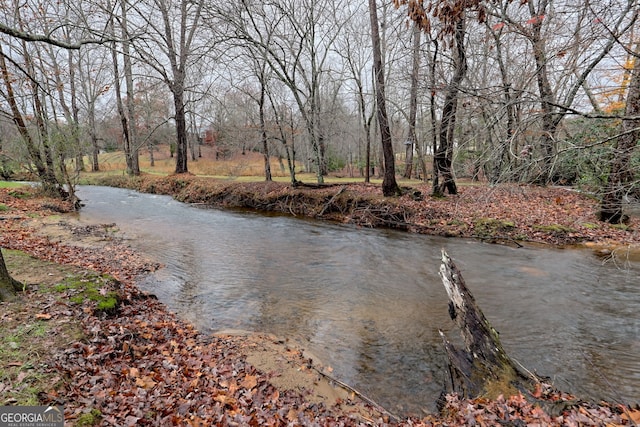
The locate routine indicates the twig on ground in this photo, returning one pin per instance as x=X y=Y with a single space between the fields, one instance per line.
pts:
x=357 y=393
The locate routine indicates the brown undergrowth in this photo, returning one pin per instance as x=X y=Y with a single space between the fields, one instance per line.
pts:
x=507 y=213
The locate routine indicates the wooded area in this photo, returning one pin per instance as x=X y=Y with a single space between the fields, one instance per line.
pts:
x=498 y=91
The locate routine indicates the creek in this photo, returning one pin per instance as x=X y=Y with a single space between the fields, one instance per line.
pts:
x=369 y=303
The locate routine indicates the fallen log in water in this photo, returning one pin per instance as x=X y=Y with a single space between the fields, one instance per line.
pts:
x=482 y=369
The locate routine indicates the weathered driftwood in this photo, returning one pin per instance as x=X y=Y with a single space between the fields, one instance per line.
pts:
x=482 y=369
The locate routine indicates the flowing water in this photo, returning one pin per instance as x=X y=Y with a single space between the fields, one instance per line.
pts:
x=369 y=303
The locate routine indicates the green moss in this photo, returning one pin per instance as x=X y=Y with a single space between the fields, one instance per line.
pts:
x=90 y=418
x=20 y=194
x=90 y=288
x=77 y=299
x=623 y=227
x=3 y=207
x=590 y=225
x=108 y=304
x=500 y=383
x=61 y=287
x=490 y=227
x=554 y=228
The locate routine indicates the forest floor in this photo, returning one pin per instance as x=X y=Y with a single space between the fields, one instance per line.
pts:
x=82 y=334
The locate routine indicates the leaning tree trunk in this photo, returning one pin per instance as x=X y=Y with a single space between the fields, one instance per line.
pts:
x=8 y=285
x=482 y=369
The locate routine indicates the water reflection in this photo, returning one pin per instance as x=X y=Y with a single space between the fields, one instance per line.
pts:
x=369 y=303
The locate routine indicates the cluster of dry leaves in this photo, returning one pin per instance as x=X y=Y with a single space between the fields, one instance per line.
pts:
x=140 y=365
x=145 y=367
x=554 y=215
x=518 y=411
x=121 y=260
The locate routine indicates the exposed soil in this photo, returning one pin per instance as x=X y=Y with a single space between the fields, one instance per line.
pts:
x=138 y=364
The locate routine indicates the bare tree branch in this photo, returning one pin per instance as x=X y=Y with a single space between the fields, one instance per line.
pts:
x=47 y=39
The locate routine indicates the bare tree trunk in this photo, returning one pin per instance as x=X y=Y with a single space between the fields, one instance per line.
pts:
x=133 y=162
x=291 y=158
x=413 y=102
x=8 y=285
x=367 y=150
x=263 y=129
x=421 y=163
x=621 y=174
x=118 y=91
x=509 y=104
x=443 y=156
x=181 y=122
x=75 y=114
x=432 y=114
x=364 y=121
x=547 y=100
x=178 y=52
x=95 y=150
x=40 y=116
x=151 y=147
x=389 y=184
x=280 y=119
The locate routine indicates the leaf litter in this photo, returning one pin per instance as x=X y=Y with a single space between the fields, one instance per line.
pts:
x=141 y=365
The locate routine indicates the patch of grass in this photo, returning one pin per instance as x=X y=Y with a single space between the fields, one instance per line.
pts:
x=23 y=347
x=11 y=184
x=3 y=207
x=28 y=343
